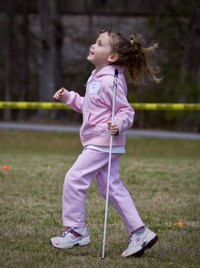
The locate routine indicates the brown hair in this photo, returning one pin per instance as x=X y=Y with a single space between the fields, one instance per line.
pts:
x=133 y=56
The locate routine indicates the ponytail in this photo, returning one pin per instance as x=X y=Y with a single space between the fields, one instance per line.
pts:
x=138 y=64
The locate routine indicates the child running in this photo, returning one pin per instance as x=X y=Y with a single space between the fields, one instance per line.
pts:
x=111 y=51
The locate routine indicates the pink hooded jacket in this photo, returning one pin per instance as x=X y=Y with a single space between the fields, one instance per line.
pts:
x=96 y=107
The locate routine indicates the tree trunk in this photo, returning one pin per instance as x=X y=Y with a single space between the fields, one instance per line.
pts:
x=191 y=57
x=7 y=115
x=24 y=72
x=190 y=70
x=51 y=38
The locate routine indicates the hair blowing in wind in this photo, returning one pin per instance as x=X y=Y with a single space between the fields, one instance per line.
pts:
x=134 y=56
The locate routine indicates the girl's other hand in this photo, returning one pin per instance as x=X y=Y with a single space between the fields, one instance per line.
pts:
x=58 y=94
x=112 y=128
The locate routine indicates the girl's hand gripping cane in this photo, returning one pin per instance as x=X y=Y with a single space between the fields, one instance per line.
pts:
x=112 y=128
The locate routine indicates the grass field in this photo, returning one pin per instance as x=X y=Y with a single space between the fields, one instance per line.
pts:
x=162 y=176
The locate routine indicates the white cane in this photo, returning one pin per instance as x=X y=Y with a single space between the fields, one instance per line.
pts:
x=109 y=163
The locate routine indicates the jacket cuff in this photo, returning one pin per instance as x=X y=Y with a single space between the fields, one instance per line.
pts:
x=66 y=96
x=120 y=125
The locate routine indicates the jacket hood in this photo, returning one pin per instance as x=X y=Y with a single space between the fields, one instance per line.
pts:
x=108 y=70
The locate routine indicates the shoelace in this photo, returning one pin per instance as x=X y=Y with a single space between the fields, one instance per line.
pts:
x=130 y=237
x=65 y=232
x=68 y=230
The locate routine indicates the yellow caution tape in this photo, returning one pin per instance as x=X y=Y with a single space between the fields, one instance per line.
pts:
x=136 y=106
x=165 y=106
x=32 y=105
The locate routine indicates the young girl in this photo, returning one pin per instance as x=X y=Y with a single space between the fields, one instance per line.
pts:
x=111 y=51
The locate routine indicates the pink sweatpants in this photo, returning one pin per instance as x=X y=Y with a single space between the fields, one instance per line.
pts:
x=91 y=164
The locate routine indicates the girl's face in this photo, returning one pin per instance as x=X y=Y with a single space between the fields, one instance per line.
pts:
x=100 y=53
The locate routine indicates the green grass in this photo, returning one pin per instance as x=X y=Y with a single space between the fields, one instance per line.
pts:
x=162 y=176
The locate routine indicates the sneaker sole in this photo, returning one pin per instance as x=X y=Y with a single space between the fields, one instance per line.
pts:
x=151 y=242
x=78 y=244
x=145 y=246
x=140 y=252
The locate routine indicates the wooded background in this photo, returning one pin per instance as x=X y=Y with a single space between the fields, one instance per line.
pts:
x=44 y=45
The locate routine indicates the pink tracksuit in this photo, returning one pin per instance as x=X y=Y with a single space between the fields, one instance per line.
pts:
x=96 y=108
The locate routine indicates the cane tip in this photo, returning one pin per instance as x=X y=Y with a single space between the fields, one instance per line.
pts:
x=103 y=259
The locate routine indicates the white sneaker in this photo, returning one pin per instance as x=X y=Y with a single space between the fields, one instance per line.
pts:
x=139 y=242
x=70 y=238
